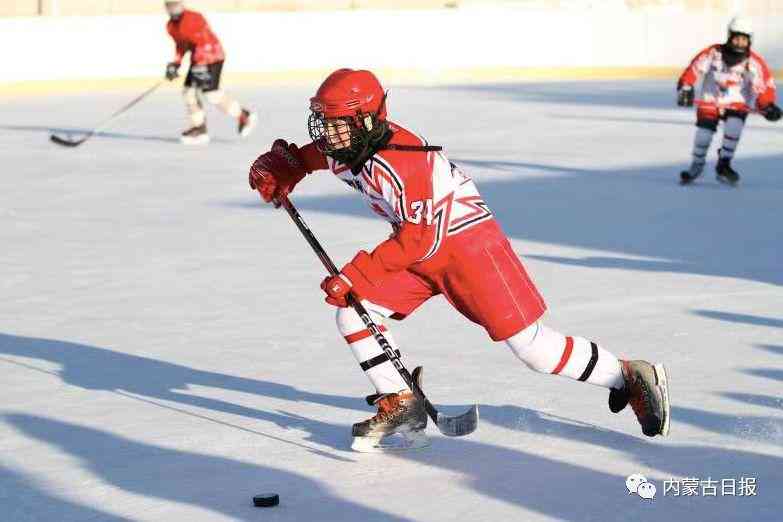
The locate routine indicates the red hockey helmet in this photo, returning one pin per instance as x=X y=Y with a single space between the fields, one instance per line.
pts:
x=348 y=114
x=349 y=92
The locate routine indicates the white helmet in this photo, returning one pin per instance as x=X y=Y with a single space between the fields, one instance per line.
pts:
x=740 y=24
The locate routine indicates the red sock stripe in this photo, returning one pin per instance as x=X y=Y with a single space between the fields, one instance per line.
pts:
x=569 y=347
x=361 y=334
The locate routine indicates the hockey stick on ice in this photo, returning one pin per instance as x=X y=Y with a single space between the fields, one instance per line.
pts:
x=75 y=143
x=452 y=426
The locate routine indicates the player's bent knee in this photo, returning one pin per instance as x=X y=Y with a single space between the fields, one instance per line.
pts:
x=707 y=123
x=523 y=343
x=732 y=113
x=536 y=346
x=349 y=322
x=190 y=95
x=215 y=97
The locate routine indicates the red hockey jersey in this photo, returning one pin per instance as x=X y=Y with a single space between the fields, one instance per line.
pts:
x=191 y=32
x=748 y=85
x=425 y=198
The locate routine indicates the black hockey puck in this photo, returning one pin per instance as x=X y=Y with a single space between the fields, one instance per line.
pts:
x=266 y=500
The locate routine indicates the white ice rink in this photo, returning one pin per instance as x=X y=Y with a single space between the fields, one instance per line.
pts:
x=165 y=352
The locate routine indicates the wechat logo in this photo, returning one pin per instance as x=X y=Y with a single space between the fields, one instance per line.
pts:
x=638 y=484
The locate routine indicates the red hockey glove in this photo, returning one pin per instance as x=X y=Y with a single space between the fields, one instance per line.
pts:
x=337 y=289
x=275 y=173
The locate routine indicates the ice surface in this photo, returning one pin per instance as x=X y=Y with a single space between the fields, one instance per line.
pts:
x=165 y=353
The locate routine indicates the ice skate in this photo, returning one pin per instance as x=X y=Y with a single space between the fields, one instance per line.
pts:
x=725 y=174
x=398 y=425
x=247 y=122
x=646 y=389
x=195 y=135
x=689 y=176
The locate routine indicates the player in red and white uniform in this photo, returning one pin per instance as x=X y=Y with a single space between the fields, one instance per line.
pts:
x=445 y=241
x=191 y=33
x=734 y=82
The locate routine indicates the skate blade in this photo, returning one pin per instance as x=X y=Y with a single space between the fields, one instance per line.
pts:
x=252 y=121
x=685 y=178
x=201 y=140
x=662 y=379
x=401 y=441
x=726 y=182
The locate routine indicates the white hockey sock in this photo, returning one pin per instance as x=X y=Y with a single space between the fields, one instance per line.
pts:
x=224 y=102
x=548 y=351
x=375 y=363
x=195 y=111
x=732 y=132
x=701 y=144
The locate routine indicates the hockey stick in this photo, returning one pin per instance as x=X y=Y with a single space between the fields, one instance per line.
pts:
x=75 y=143
x=452 y=426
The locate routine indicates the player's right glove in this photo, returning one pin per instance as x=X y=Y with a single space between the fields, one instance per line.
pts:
x=172 y=70
x=772 y=112
x=685 y=95
x=275 y=173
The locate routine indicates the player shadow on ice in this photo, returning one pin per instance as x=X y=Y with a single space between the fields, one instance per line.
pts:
x=771 y=348
x=24 y=499
x=637 y=213
x=645 y=94
x=767 y=373
x=757 y=399
x=552 y=487
x=78 y=133
x=669 y=460
x=755 y=320
x=767 y=429
x=217 y=484
x=688 y=120
x=560 y=489
x=147 y=380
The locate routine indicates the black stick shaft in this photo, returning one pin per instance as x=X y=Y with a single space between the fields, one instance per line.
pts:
x=359 y=307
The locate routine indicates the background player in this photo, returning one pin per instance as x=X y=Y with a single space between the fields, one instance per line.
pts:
x=191 y=33
x=445 y=241
x=734 y=81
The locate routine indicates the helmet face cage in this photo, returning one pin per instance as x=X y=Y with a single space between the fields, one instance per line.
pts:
x=735 y=48
x=344 y=138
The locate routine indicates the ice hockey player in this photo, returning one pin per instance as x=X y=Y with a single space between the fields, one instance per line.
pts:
x=191 y=33
x=445 y=240
x=734 y=81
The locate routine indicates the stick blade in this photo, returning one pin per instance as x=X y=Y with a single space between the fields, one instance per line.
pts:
x=64 y=142
x=459 y=425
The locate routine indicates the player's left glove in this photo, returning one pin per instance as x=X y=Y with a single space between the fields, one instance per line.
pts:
x=772 y=112
x=201 y=74
x=172 y=70
x=685 y=95
x=275 y=173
